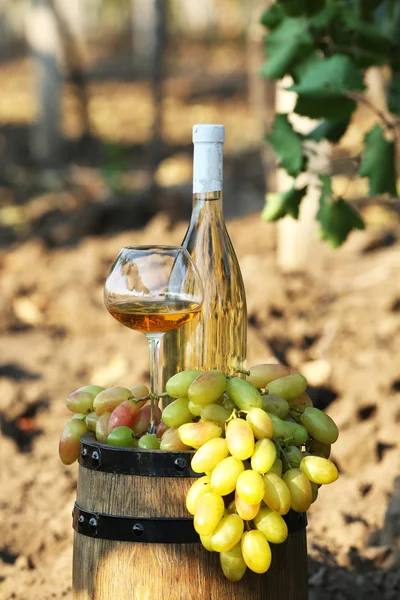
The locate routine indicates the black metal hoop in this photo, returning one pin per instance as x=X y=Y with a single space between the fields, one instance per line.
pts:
x=133 y=529
x=151 y=530
x=134 y=461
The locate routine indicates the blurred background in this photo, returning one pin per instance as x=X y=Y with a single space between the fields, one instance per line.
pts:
x=97 y=102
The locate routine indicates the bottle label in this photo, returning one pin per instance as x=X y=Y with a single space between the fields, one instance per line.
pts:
x=207 y=167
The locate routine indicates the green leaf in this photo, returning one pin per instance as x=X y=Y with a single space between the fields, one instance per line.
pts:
x=272 y=17
x=288 y=43
x=387 y=18
x=369 y=44
x=279 y=64
x=379 y=163
x=287 y=144
x=301 y=7
x=336 y=217
x=361 y=8
x=329 y=77
x=280 y=205
x=367 y=33
x=368 y=6
x=337 y=220
x=329 y=130
x=334 y=108
x=352 y=7
x=393 y=97
x=326 y=186
x=325 y=17
x=301 y=66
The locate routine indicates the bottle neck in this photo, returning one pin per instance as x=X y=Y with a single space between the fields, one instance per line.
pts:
x=209 y=203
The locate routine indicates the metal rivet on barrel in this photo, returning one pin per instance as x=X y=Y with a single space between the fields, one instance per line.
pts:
x=138 y=530
x=95 y=458
x=84 y=453
x=180 y=464
x=81 y=519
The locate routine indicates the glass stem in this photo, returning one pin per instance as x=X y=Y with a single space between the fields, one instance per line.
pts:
x=154 y=347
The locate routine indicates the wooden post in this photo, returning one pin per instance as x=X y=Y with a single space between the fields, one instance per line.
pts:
x=68 y=17
x=5 y=33
x=46 y=141
x=157 y=81
x=144 y=33
x=297 y=239
x=149 y=31
x=261 y=91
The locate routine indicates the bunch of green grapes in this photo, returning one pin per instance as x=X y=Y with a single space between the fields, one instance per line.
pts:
x=118 y=416
x=263 y=449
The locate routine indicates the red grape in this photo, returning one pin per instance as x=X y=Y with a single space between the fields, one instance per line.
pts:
x=70 y=444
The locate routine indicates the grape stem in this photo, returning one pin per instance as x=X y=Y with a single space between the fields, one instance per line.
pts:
x=234 y=415
x=140 y=398
x=288 y=440
x=295 y=414
x=242 y=372
x=283 y=453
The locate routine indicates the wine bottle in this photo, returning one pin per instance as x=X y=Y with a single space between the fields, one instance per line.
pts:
x=217 y=337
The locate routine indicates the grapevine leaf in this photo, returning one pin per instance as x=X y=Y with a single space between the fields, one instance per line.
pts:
x=300 y=7
x=287 y=144
x=332 y=76
x=325 y=17
x=280 y=205
x=329 y=130
x=387 y=18
x=289 y=42
x=279 y=64
x=366 y=43
x=326 y=187
x=334 y=108
x=353 y=7
x=301 y=66
x=359 y=36
x=394 y=94
x=379 y=163
x=367 y=35
x=272 y=17
x=368 y=6
x=336 y=217
x=362 y=8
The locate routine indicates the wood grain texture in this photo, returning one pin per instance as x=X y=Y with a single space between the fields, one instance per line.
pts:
x=132 y=495
x=108 y=570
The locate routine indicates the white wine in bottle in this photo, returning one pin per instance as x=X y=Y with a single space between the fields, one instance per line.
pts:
x=217 y=337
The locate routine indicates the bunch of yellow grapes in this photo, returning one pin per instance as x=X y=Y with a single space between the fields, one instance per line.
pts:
x=263 y=448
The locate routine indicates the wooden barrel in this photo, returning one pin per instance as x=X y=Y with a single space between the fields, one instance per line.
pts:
x=134 y=539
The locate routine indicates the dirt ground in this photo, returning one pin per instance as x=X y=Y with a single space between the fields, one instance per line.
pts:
x=339 y=324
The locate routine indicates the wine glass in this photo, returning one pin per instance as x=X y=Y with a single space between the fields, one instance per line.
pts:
x=153 y=289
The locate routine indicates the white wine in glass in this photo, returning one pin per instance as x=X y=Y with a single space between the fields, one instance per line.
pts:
x=153 y=289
